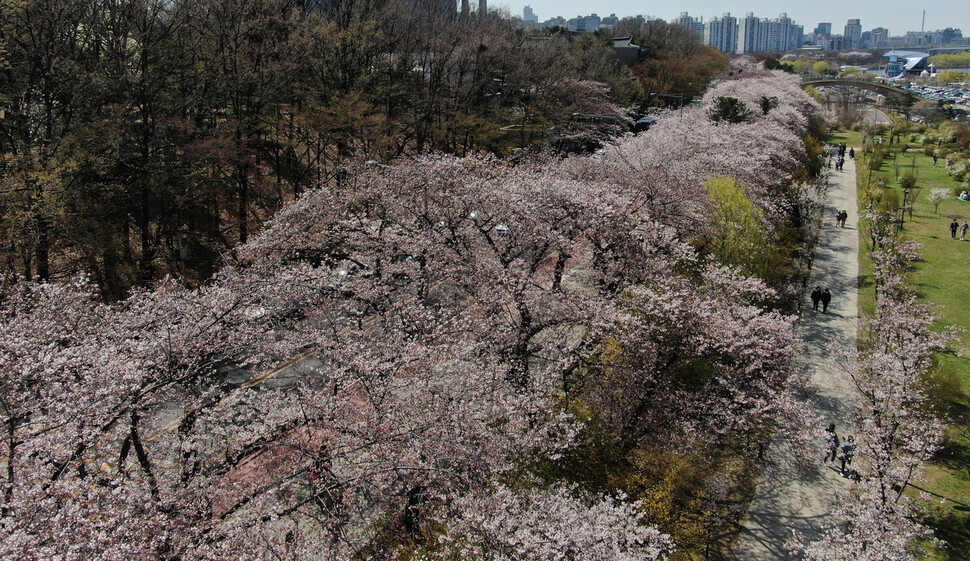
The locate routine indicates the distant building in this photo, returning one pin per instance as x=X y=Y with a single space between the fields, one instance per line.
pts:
x=784 y=34
x=553 y=22
x=852 y=37
x=823 y=31
x=759 y=35
x=529 y=15
x=878 y=38
x=938 y=38
x=900 y=63
x=752 y=34
x=722 y=33
x=609 y=21
x=583 y=23
x=833 y=43
x=948 y=36
x=435 y=9
x=690 y=23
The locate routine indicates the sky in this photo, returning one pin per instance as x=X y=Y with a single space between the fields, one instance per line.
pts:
x=899 y=16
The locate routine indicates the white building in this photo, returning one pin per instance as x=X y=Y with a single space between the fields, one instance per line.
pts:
x=752 y=34
x=759 y=35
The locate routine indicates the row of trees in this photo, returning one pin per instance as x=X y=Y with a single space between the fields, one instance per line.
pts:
x=881 y=516
x=561 y=358
x=145 y=138
x=898 y=429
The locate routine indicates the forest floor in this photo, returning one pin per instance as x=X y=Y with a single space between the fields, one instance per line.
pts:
x=791 y=497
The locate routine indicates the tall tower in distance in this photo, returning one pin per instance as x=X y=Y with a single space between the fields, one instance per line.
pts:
x=482 y=7
x=853 y=34
x=529 y=15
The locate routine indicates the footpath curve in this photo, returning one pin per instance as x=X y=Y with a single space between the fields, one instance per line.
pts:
x=787 y=499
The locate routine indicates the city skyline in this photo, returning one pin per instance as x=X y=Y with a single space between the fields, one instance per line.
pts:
x=897 y=16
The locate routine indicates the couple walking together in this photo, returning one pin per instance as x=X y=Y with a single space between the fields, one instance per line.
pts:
x=823 y=296
x=844 y=451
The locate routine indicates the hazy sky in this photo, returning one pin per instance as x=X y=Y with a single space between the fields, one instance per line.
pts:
x=899 y=16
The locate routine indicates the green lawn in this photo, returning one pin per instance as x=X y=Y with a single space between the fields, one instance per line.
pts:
x=942 y=278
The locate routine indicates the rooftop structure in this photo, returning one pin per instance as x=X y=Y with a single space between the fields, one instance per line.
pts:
x=901 y=63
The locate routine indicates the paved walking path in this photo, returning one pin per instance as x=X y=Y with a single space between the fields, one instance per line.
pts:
x=787 y=498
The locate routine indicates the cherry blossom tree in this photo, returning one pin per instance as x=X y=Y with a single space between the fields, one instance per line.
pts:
x=448 y=327
x=761 y=153
x=510 y=525
x=897 y=430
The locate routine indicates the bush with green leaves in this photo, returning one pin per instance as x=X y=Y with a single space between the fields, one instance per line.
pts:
x=726 y=109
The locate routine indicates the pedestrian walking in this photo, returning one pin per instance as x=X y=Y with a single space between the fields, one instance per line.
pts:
x=816 y=297
x=832 y=441
x=826 y=298
x=953 y=228
x=935 y=158
x=851 y=153
x=963 y=231
x=847 y=453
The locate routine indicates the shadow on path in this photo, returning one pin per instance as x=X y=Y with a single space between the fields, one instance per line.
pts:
x=788 y=497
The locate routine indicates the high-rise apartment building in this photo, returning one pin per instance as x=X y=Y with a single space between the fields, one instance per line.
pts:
x=824 y=30
x=690 y=22
x=752 y=34
x=852 y=37
x=759 y=35
x=583 y=23
x=781 y=33
x=722 y=33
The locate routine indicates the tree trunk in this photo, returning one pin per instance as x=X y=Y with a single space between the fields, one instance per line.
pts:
x=242 y=215
x=42 y=247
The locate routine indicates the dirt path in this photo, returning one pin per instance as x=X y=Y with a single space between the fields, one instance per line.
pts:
x=787 y=499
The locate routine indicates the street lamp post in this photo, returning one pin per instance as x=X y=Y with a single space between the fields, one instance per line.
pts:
x=902 y=211
x=679 y=96
x=612 y=118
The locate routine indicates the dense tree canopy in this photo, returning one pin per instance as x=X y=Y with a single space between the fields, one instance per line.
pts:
x=147 y=138
x=486 y=358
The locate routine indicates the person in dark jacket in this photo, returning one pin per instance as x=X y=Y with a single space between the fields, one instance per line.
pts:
x=826 y=298
x=816 y=297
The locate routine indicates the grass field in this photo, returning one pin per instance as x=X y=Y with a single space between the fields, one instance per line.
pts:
x=942 y=279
